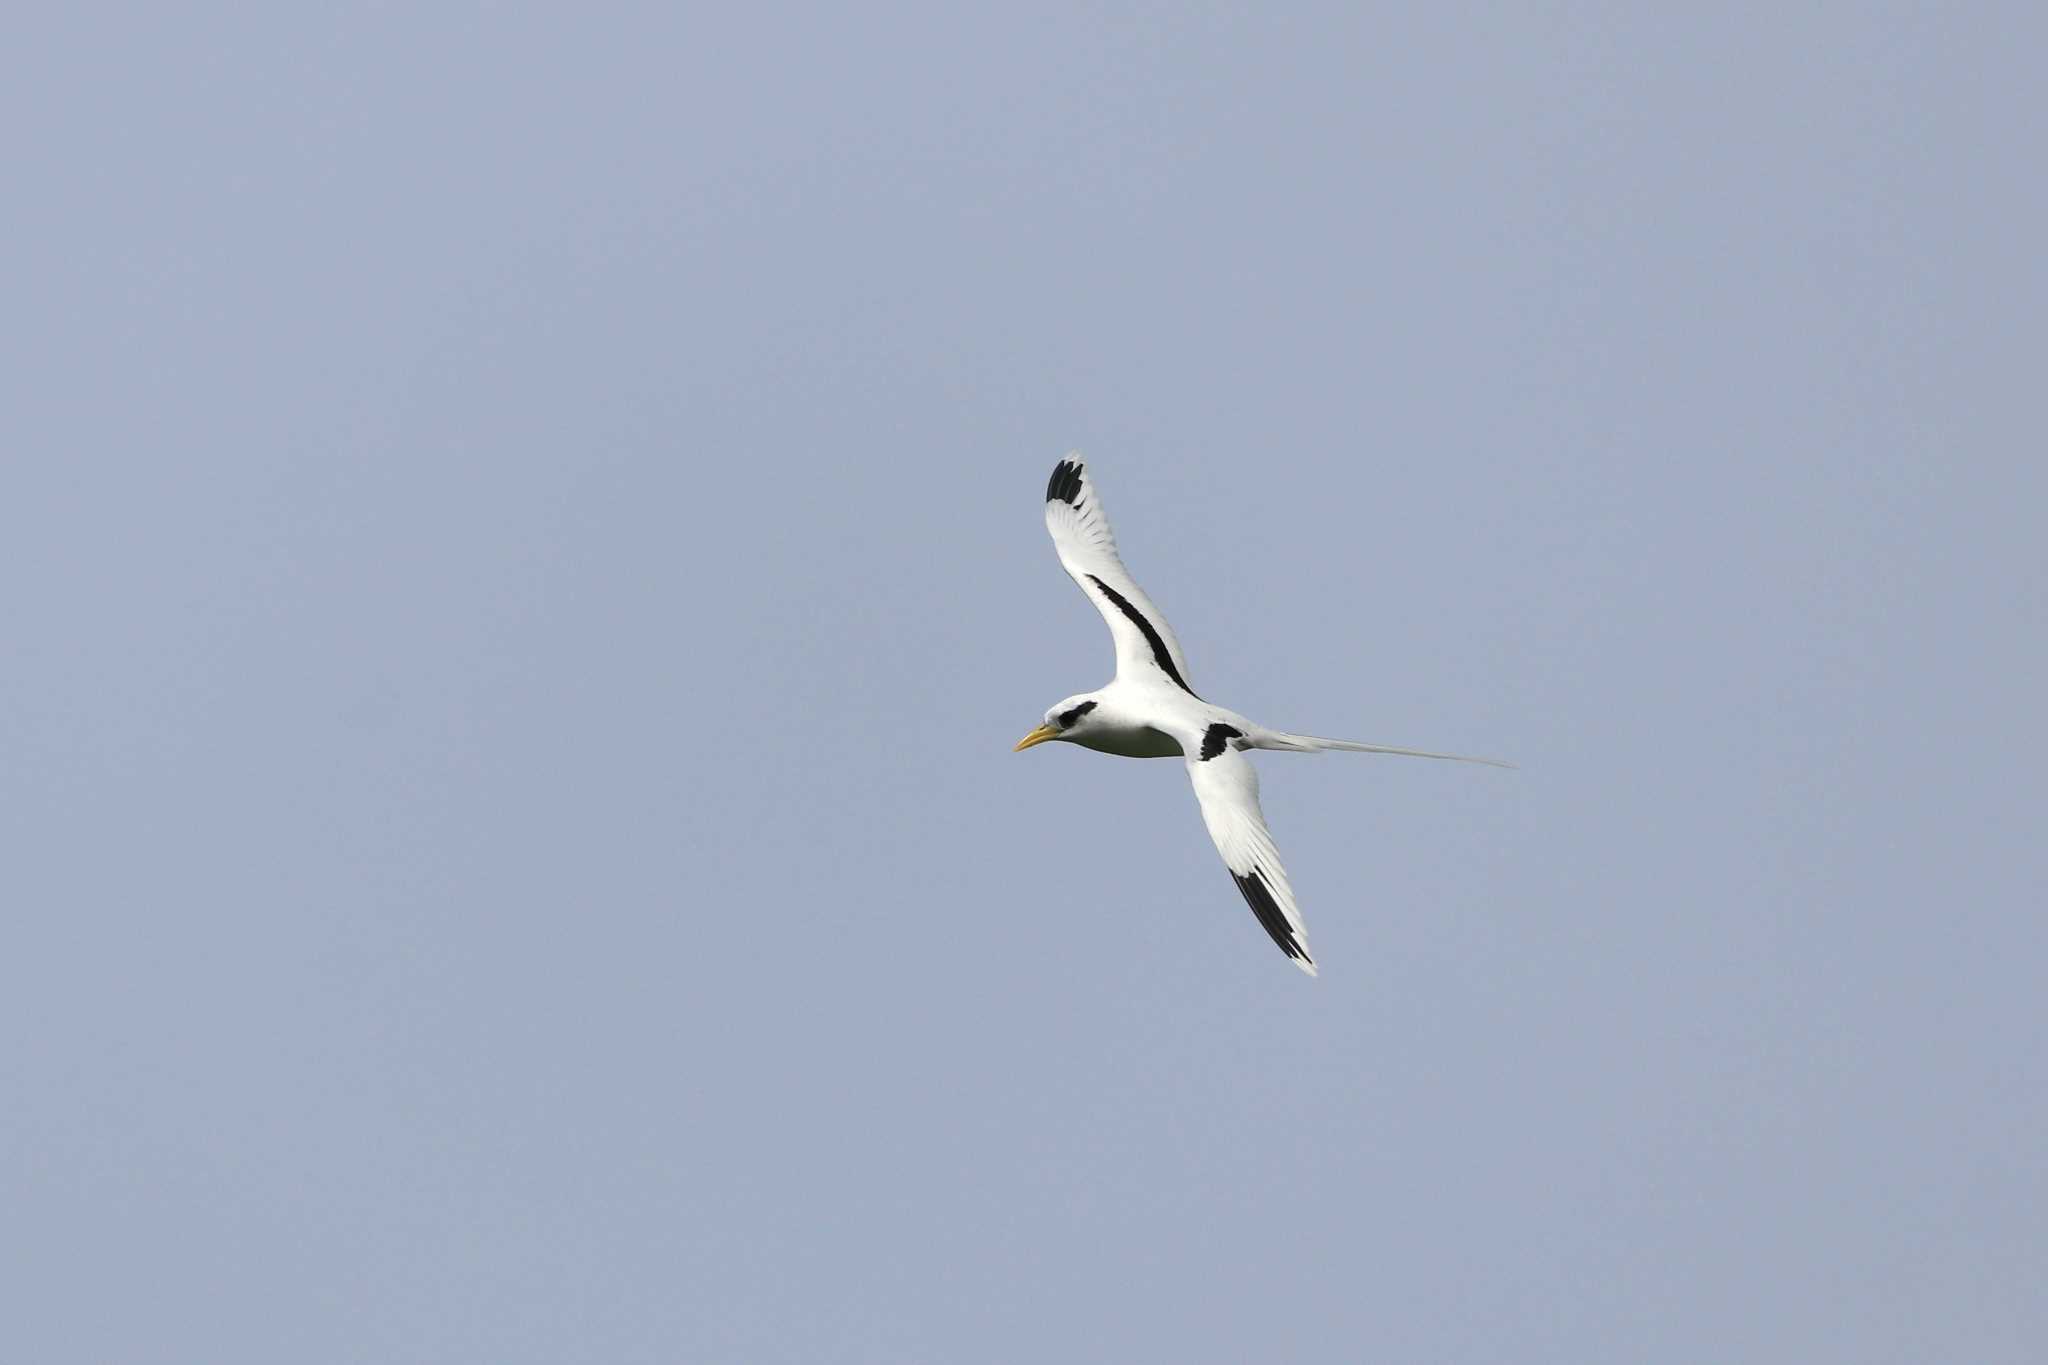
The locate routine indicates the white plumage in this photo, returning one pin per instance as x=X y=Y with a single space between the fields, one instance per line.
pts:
x=1150 y=710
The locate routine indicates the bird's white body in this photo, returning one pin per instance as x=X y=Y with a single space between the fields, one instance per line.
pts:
x=1134 y=720
x=1150 y=711
x=1122 y=728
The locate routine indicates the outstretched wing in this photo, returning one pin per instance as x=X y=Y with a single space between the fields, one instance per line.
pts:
x=1228 y=788
x=1087 y=550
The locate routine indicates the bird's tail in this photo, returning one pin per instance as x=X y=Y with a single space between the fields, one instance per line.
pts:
x=1315 y=744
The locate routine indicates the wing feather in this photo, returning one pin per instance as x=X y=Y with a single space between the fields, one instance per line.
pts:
x=1087 y=549
x=1227 y=786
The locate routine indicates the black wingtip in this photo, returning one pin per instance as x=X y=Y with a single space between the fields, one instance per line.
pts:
x=1260 y=898
x=1065 y=483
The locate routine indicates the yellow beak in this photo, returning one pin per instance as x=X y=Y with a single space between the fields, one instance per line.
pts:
x=1038 y=736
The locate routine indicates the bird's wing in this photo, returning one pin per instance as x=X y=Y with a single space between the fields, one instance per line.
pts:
x=1228 y=788
x=1087 y=550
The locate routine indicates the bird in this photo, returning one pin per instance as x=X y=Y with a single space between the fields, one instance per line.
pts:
x=1151 y=710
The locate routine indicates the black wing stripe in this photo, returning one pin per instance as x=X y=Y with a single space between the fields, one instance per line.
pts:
x=1215 y=739
x=1260 y=898
x=1151 y=633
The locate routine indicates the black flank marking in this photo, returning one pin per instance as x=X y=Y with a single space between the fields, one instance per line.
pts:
x=1065 y=483
x=1159 y=654
x=1067 y=717
x=1260 y=898
x=1213 y=742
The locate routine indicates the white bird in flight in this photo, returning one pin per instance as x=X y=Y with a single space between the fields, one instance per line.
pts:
x=1150 y=711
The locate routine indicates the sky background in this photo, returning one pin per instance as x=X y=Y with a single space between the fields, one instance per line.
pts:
x=521 y=559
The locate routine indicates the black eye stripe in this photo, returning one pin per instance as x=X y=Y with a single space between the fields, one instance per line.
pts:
x=1067 y=717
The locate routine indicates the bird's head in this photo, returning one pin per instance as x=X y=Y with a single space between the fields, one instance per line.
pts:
x=1063 y=721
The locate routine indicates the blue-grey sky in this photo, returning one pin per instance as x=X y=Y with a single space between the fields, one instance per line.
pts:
x=523 y=565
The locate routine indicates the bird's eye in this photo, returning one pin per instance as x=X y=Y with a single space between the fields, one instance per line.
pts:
x=1068 y=717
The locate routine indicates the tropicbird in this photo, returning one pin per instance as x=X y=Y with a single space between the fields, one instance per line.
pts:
x=1150 y=711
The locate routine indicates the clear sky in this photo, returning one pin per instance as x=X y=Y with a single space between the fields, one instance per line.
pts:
x=522 y=564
